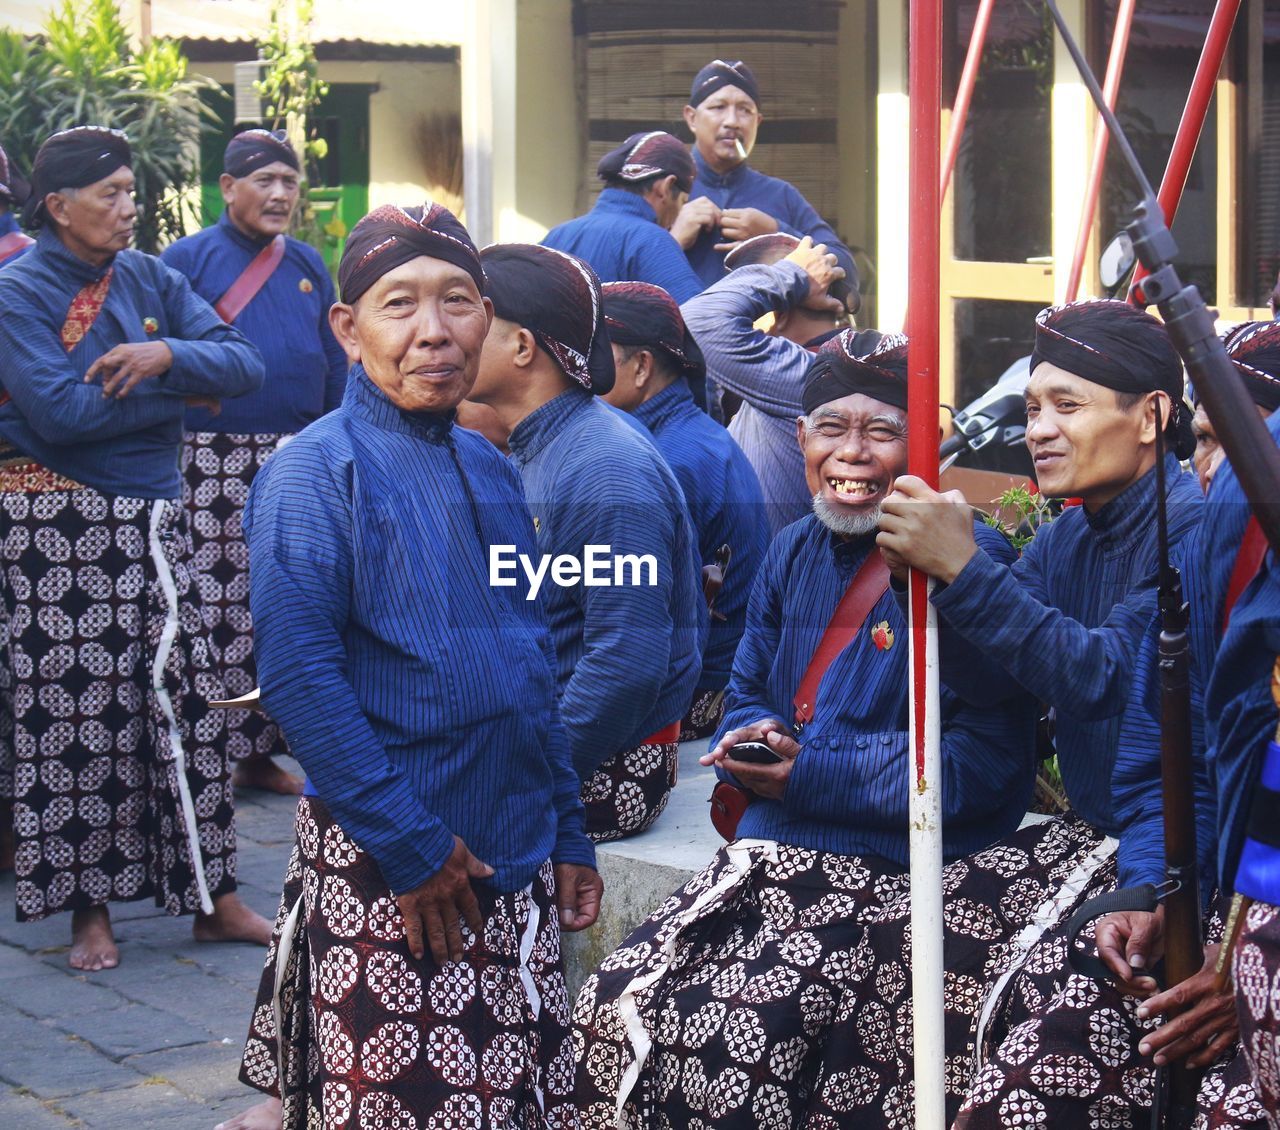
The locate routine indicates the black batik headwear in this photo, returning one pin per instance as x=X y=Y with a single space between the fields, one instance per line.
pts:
x=644 y=315
x=556 y=297
x=390 y=236
x=1121 y=347
x=644 y=156
x=1254 y=349
x=74 y=158
x=858 y=361
x=251 y=149
x=772 y=247
x=13 y=188
x=720 y=73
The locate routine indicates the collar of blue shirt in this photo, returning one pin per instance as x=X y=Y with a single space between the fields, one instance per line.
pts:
x=544 y=423
x=708 y=176
x=670 y=404
x=1130 y=516
x=239 y=237
x=621 y=202
x=366 y=400
x=63 y=260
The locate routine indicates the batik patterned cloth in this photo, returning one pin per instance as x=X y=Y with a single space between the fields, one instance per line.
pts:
x=120 y=787
x=716 y=1010
x=1257 y=978
x=373 y=1036
x=629 y=791
x=703 y=719
x=217 y=468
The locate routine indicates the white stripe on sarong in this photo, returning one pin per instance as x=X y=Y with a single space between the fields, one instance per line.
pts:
x=1047 y=917
x=170 y=589
x=527 y=940
x=741 y=855
x=284 y=949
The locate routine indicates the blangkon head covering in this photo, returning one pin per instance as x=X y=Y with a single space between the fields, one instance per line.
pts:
x=74 y=158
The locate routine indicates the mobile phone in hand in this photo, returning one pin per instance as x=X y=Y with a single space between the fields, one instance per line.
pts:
x=754 y=753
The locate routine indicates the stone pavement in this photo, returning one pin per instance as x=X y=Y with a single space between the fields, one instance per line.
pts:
x=153 y=1044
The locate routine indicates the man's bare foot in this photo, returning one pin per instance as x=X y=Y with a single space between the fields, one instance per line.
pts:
x=263 y=773
x=231 y=921
x=93 y=946
x=266 y=1115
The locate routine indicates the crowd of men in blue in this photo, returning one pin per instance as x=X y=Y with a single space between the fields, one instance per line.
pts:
x=219 y=472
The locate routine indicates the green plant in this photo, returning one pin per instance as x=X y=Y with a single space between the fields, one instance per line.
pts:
x=1019 y=513
x=82 y=70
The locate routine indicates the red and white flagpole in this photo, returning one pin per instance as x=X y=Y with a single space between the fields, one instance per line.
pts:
x=925 y=808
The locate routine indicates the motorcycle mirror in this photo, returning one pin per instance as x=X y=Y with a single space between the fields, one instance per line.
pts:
x=1117 y=261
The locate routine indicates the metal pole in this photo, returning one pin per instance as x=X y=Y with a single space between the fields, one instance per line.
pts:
x=964 y=92
x=925 y=791
x=1194 y=114
x=1110 y=87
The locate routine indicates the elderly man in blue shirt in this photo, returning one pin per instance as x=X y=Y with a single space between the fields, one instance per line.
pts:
x=626 y=237
x=731 y=202
x=719 y=1010
x=277 y=291
x=440 y=848
x=120 y=786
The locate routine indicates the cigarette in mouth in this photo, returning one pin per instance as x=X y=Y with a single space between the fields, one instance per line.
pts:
x=742 y=153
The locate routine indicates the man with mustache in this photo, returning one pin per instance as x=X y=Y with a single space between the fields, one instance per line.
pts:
x=277 y=291
x=718 y=1010
x=121 y=788
x=729 y=201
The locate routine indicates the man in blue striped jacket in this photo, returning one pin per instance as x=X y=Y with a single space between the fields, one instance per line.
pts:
x=717 y=1010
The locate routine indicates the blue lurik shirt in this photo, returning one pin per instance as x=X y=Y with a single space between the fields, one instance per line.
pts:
x=744 y=187
x=848 y=789
x=628 y=655
x=725 y=505
x=288 y=320
x=621 y=238
x=127 y=446
x=1240 y=713
x=419 y=699
x=1072 y=622
x=767 y=372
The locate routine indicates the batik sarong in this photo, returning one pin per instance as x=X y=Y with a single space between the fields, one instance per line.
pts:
x=217 y=470
x=121 y=790
x=627 y=793
x=703 y=719
x=1257 y=978
x=715 y=1012
x=364 y=1034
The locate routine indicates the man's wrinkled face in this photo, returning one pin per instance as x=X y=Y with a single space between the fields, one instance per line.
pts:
x=98 y=220
x=854 y=448
x=418 y=331
x=1082 y=443
x=729 y=114
x=262 y=203
x=1209 y=454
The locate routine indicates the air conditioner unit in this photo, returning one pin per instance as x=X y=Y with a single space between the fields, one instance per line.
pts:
x=248 y=100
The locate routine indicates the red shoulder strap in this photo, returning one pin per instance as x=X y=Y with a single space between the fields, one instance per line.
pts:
x=12 y=243
x=866 y=588
x=252 y=279
x=1249 y=558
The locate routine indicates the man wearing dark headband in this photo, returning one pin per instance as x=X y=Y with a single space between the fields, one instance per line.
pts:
x=729 y=201
x=1075 y=623
x=629 y=651
x=738 y=981
x=277 y=291
x=121 y=784
x=626 y=235
x=440 y=849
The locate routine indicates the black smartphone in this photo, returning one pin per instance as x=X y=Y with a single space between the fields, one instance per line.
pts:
x=754 y=753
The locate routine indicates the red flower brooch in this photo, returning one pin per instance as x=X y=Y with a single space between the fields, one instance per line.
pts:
x=150 y=325
x=882 y=636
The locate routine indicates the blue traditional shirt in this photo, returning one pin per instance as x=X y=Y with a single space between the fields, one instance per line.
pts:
x=622 y=240
x=129 y=445
x=288 y=320
x=744 y=187
x=419 y=698
x=766 y=371
x=1240 y=713
x=1074 y=622
x=9 y=226
x=848 y=790
x=725 y=504
x=628 y=655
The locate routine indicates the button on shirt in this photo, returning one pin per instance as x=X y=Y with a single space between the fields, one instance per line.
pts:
x=129 y=445
x=419 y=698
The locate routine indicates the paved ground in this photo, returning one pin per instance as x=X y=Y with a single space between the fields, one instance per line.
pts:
x=153 y=1044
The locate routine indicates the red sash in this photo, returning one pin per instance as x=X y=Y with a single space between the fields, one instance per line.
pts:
x=1249 y=558
x=12 y=243
x=252 y=279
